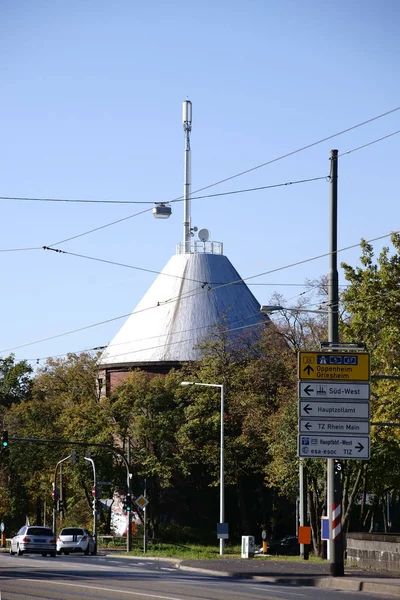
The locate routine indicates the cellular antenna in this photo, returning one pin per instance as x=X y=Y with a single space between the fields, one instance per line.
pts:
x=187 y=219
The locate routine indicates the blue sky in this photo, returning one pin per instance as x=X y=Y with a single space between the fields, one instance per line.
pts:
x=91 y=96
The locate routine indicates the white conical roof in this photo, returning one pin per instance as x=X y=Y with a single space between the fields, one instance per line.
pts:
x=181 y=308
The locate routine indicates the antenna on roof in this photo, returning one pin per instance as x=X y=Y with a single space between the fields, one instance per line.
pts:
x=187 y=127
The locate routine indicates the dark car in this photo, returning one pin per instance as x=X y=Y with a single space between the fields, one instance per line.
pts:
x=288 y=545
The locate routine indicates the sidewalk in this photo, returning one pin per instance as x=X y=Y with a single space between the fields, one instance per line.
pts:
x=290 y=572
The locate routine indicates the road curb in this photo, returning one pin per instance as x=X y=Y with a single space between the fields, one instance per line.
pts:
x=347 y=583
x=342 y=583
x=174 y=561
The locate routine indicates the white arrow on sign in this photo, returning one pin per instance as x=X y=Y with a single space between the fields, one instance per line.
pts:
x=329 y=427
x=326 y=390
x=333 y=446
x=334 y=409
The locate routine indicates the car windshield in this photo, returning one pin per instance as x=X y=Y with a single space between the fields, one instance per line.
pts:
x=72 y=531
x=40 y=531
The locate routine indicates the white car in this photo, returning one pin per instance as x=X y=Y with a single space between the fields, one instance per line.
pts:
x=75 y=539
x=33 y=539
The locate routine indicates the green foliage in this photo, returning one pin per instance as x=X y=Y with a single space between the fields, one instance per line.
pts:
x=15 y=381
x=148 y=410
x=62 y=404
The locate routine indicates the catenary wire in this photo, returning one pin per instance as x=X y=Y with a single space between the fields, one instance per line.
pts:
x=231 y=192
x=180 y=199
x=293 y=152
x=291 y=265
x=385 y=137
x=99 y=348
x=118 y=264
x=145 y=339
x=20 y=249
x=283 y=156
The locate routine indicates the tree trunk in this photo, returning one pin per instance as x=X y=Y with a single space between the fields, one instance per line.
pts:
x=242 y=506
x=350 y=500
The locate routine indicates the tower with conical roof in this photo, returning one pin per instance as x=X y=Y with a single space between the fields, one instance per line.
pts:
x=197 y=291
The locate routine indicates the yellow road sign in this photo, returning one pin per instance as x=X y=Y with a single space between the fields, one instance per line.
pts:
x=339 y=366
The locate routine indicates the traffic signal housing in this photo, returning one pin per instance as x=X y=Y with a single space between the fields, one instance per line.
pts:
x=128 y=503
x=5 y=438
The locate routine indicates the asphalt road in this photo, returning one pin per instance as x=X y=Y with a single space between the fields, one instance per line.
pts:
x=112 y=578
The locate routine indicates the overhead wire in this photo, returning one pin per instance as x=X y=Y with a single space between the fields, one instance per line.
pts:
x=180 y=198
x=385 y=137
x=118 y=264
x=152 y=202
x=152 y=337
x=269 y=162
x=20 y=249
x=189 y=295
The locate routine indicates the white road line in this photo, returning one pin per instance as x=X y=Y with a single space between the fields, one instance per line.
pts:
x=265 y=586
x=93 y=587
x=167 y=569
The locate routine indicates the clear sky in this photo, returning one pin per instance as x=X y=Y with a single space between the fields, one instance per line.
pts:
x=90 y=104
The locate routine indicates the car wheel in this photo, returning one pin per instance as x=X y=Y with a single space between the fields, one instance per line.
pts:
x=11 y=552
x=86 y=551
x=19 y=551
x=59 y=552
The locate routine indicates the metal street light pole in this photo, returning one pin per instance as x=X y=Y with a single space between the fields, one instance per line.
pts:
x=222 y=458
x=94 y=502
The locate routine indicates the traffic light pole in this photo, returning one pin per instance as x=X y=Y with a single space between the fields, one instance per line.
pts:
x=55 y=493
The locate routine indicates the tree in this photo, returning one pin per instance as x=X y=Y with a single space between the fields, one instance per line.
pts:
x=63 y=405
x=147 y=412
x=371 y=315
x=256 y=376
x=15 y=381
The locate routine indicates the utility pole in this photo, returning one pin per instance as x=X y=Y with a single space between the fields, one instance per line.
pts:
x=61 y=501
x=129 y=482
x=145 y=518
x=334 y=486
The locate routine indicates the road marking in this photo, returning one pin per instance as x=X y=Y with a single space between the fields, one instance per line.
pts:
x=167 y=569
x=275 y=590
x=94 y=587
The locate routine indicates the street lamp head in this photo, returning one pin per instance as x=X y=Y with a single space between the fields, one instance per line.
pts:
x=187 y=382
x=276 y=307
x=268 y=308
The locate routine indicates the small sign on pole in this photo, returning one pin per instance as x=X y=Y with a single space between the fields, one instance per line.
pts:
x=222 y=531
x=141 y=501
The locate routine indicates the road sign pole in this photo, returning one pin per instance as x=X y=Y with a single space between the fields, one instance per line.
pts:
x=303 y=505
x=336 y=557
x=129 y=530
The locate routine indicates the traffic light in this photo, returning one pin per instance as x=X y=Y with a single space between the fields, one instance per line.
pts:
x=60 y=505
x=73 y=457
x=5 y=438
x=128 y=503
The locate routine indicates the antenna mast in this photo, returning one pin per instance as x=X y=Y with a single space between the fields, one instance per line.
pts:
x=187 y=219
